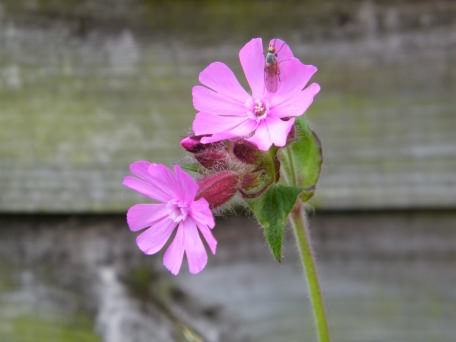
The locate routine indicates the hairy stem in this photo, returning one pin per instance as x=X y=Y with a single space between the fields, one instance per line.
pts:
x=299 y=223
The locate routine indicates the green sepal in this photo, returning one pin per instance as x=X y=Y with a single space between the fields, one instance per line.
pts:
x=301 y=160
x=191 y=167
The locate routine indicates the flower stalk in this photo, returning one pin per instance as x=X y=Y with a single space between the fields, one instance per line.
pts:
x=299 y=223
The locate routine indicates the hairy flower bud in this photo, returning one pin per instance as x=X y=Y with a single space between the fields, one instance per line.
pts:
x=246 y=152
x=192 y=144
x=218 y=188
x=211 y=156
x=253 y=184
x=212 y=159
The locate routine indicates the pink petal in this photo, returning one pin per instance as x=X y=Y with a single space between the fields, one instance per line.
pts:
x=262 y=137
x=153 y=239
x=283 y=51
x=209 y=101
x=209 y=237
x=279 y=130
x=175 y=252
x=205 y=123
x=146 y=188
x=139 y=169
x=201 y=213
x=187 y=183
x=160 y=179
x=252 y=60
x=162 y=173
x=217 y=137
x=293 y=78
x=141 y=216
x=219 y=77
x=272 y=130
x=164 y=179
x=194 y=248
x=297 y=104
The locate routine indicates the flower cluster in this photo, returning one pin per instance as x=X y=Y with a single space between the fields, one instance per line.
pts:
x=235 y=138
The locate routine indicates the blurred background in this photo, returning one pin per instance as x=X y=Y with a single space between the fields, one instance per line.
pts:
x=88 y=86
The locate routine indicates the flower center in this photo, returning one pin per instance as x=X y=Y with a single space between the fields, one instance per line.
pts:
x=258 y=108
x=177 y=210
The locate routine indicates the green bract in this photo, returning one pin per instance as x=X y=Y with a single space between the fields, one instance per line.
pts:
x=271 y=211
x=301 y=161
x=300 y=166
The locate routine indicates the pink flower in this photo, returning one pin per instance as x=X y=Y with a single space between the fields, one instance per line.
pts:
x=226 y=110
x=177 y=207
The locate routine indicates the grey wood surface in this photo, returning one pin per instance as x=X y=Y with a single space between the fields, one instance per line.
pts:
x=386 y=277
x=87 y=87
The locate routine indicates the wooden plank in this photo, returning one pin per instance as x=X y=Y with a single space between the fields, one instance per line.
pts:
x=85 y=90
x=386 y=277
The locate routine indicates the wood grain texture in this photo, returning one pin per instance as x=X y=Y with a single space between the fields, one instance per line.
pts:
x=85 y=89
x=386 y=277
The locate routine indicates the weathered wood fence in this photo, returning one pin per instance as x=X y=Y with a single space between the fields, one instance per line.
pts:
x=88 y=87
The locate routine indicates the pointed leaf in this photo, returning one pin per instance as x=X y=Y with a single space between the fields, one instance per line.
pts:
x=271 y=210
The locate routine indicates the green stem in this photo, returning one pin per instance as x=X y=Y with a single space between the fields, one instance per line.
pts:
x=298 y=221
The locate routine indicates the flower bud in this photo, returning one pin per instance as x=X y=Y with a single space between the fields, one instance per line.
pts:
x=246 y=152
x=218 y=188
x=192 y=144
x=212 y=159
x=211 y=156
x=253 y=184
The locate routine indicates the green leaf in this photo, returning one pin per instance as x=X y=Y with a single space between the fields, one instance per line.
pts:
x=271 y=210
x=301 y=160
